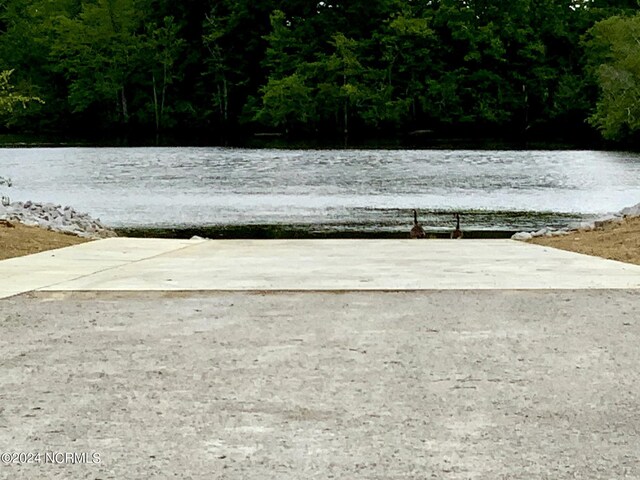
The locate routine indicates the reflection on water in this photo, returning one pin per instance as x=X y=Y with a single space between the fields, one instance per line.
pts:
x=331 y=189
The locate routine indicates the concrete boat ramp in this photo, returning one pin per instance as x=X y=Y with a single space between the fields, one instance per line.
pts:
x=288 y=360
x=127 y=264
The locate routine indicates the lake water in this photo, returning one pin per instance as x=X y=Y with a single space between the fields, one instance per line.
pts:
x=364 y=190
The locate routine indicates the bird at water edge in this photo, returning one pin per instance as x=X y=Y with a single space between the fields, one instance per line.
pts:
x=417 y=231
x=457 y=233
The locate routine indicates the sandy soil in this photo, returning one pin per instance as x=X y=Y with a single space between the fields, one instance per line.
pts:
x=431 y=385
x=614 y=241
x=17 y=240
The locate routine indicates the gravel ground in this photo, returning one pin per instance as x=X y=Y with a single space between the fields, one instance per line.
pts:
x=449 y=384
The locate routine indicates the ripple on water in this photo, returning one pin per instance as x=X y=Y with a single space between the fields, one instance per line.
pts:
x=335 y=189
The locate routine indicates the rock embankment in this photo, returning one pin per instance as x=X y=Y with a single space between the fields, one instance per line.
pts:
x=619 y=217
x=56 y=218
x=631 y=211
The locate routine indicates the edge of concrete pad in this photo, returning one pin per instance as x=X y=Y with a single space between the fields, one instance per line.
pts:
x=254 y=292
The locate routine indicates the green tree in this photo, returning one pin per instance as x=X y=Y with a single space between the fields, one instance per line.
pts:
x=615 y=49
x=286 y=103
x=233 y=37
x=164 y=47
x=346 y=74
x=25 y=46
x=219 y=69
x=9 y=98
x=407 y=44
x=288 y=99
x=490 y=66
x=98 y=52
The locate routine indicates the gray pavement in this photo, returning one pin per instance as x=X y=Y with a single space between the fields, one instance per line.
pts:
x=367 y=359
x=358 y=385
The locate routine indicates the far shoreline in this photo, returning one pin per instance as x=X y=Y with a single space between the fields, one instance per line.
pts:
x=257 y=141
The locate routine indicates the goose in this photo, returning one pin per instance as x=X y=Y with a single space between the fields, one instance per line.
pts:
x=457 y=233
x=417 y=231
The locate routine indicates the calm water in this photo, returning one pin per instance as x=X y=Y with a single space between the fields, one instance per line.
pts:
x=328 y=189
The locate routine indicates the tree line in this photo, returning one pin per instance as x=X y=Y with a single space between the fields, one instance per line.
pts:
x=322 y=68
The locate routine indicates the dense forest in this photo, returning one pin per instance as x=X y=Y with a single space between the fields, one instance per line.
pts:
x=508 y=68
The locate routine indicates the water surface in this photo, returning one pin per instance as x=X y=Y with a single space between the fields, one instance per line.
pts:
x=365 y=190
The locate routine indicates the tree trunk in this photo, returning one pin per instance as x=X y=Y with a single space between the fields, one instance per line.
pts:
x=346 y=108
x=155 y=102
x=125 y=110
x=225 y=95
x=164 y=92
x=346 y=118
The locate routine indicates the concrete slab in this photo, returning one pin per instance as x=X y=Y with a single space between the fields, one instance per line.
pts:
x=124 y=264
x=23 y=274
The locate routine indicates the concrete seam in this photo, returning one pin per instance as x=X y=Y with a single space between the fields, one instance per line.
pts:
x=111 y=268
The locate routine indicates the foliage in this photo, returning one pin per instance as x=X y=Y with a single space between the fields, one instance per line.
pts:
x=9 y=98
x=616 y=41
x=508 y=67
x=98 y=53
